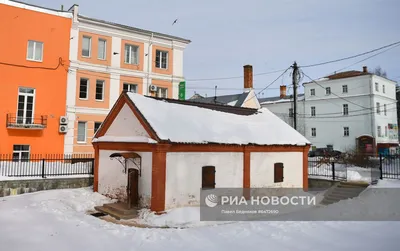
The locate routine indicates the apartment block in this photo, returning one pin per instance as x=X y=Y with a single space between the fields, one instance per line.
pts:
x=108 y=58
x=33 y=67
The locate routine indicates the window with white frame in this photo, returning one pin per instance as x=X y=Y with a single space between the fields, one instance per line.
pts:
x=345 y=109
x=312 y=92
x=81 y=138
x=328 y=91
x=344 y=89
x=346 y=131
x=131 y=54
x=291 y=112
x=161 y=59
x=377 y=87
x=97 y=126
x=25 y=106
x=101 y=49
x=378 y=108
x=386 y=131
x=379 y=131
x=21 y=152
x=83 y=88
x=313 y=132
x=383 y=89
x=162 y=92
x=384 y=109
x=312 y=111
x=129 y=87
x=99 y=90
x=35 y=51
x=86 y=46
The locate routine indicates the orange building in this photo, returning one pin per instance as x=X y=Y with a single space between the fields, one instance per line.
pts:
x=35 y=46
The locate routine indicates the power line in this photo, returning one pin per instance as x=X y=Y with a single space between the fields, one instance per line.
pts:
x=60 y=63
x=354 y=56
x=333 y=92
x=227 y=78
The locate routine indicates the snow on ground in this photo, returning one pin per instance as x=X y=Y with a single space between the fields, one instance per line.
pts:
x=56 y=220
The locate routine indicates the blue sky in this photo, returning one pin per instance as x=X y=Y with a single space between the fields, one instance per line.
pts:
x=268 y=34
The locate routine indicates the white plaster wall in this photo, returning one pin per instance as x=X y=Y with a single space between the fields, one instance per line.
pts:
x=114 y=88
x=116 y=47
x=177 y=62
x=251 y=101
x=113 y=181
x=74 y=43
x=184 y=175
x=262 y=169
x=126 y=124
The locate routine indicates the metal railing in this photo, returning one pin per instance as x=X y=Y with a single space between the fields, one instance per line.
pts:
x=46 y=166
x=14 y=121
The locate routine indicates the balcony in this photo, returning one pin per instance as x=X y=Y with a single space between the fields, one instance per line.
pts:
x=19 y=122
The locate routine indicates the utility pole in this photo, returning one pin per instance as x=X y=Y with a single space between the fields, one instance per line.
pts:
x=294 y=78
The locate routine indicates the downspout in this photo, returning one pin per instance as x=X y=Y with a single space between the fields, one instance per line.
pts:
x=149 y=59
x=373 y=125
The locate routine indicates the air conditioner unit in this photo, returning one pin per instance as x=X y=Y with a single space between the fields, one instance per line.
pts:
x=63 y=120
x=153 y=88
x=63 y=129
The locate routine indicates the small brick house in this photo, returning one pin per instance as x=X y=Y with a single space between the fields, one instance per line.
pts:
x=159 y=153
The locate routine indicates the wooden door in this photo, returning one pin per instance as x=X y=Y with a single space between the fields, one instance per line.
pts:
x=208 y=177
x=133 y=188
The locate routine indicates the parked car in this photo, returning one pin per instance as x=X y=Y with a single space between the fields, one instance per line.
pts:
x=325 y=152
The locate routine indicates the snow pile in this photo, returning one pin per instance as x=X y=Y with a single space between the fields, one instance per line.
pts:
x=191 y=124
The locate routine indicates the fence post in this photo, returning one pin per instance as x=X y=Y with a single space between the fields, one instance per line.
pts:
x=380 y=167
x=333 y=170
x=43 y=176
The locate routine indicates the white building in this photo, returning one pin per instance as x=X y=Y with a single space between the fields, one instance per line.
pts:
x=343 y=107
x=107 y=58
x=197 y=146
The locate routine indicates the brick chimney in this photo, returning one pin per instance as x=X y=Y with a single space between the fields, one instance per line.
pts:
x=282 y=91
x=248 y=77
x=365 y=69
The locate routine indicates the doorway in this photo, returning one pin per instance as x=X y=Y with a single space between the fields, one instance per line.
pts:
x=133 y=188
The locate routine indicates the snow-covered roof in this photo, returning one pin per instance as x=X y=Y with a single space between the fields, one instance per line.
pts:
x=133 y=139
x=181 y=123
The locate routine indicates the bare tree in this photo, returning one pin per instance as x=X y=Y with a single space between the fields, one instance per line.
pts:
x=379 y=72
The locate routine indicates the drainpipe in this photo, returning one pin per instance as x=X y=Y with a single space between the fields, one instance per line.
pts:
x=149 y=59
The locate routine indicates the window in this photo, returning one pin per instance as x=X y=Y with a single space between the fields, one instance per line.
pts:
x=313 y=132
x=378 y=108
x=26 y=101
x=99 y=90
x=162 y=92
x=208 y=177
x=96 y=126
x=312 y=92
x=278 y=172
x=346 y=131
x=101 y=53
x=383 y=88
x=384 y=109
x=21 y=152
x=328 y=91
x=345 y=109
x=83 y=88
x=291 y=112
x=86 y=46
x=35 y=51
x=377 y=87
x=312 y=111
x=161 y=59
x=386 y=131
x=81 y=132
x=344 y=88
x=129 y=87
x=379 y=131
x=131 y=54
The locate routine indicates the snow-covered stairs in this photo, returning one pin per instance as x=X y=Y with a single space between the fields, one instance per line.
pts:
x=343 y=191
x=119 y=211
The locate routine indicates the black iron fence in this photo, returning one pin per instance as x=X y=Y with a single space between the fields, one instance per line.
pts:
x=44 y=166
x=367 y=168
